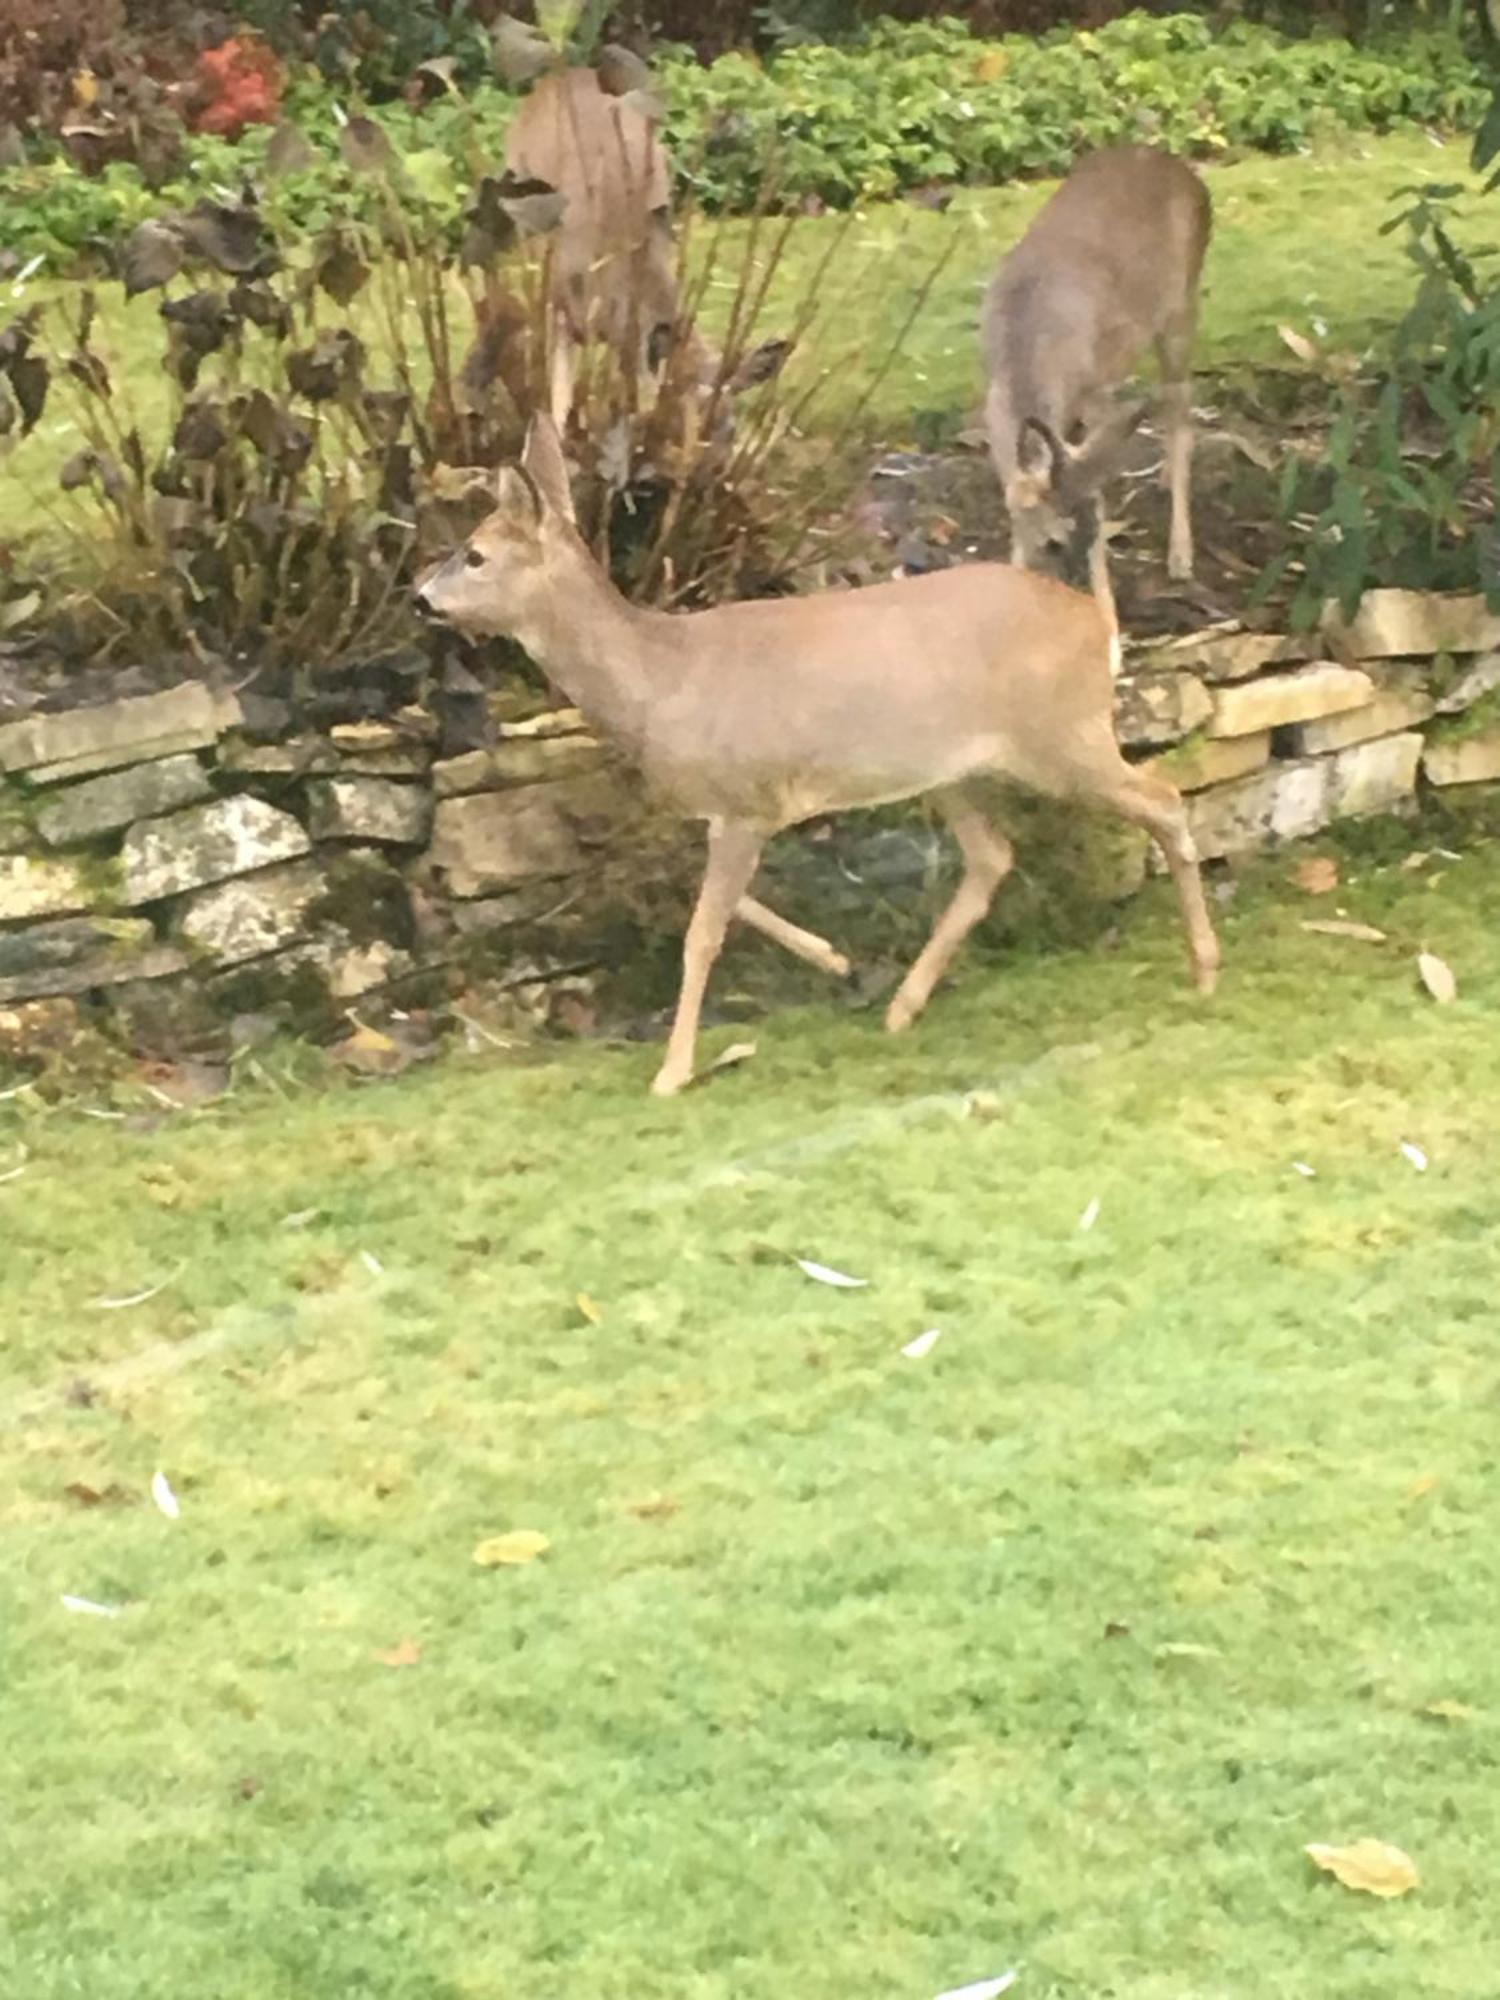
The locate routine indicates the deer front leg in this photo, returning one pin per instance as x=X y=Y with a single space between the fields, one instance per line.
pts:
x=733 y=857
x=987 y=861
x=1173 y=354
x=802 y=944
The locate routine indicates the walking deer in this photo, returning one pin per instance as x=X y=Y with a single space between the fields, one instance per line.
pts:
x=755 y=716
x=1111 y=264
x=614 y=273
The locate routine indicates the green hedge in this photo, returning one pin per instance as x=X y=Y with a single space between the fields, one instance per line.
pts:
x=908 y=106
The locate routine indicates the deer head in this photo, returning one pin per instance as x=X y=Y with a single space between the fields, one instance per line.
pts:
x=500 y=580
x=1052 y=495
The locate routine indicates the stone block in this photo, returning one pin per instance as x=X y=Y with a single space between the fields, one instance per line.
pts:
x=75 y=743
x=1390 y=624
x=1374 y=777
x=1283 y=802
x=369 y=809
x=1222 y=656
x=1468 y=760
x=32 y=888
x=1304 y=694
x=252 y=914
x=103 y=805
x=493 y=841
x=1394 y=708
x=1480 y=677
x=517 y=760
x=76 y=954
x=206 y=844
x=1213 y=760
x=1159 y=708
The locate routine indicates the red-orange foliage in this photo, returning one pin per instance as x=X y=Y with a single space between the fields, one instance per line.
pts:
x=237 y=84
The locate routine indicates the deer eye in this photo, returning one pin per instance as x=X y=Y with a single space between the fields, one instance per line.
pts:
x=473 y=560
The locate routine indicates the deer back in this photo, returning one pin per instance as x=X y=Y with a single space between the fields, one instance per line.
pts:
x=1112 y=259
x=613 y=246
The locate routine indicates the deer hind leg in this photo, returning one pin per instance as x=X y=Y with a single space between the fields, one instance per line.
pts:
x=733 y=856
x=988 y=856
x=562 y=373
x=1155 y=804
x=802 y=944
x=1174 y=355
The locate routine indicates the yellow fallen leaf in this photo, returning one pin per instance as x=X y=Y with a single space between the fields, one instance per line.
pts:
x=1340 y=927
x=993 y=65
x=1372 y=1866
x=1299 y=343
x=405 y=1654
x=590 y=1311
x=521 y=1545
x=1420 y=1488
x=1437 y=977
x=85 y=89
x=1450 y=1711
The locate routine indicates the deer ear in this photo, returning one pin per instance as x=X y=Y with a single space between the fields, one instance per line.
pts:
x=1040 y=452
x=1098 y=457
x=543 y=460
x=516 y=492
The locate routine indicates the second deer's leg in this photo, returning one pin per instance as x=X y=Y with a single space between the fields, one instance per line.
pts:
x=802 y=944
x=1174 y=354
x=562 y=373
x=987 y=860
x=733 y=856
x=1099 y=581
x=1156 y=805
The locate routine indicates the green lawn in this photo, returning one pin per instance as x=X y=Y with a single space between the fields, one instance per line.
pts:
x=1295 y=239
x=846 y=1674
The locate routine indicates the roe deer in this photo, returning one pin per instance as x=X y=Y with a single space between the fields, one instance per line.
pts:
x=754 y=716
x=614 y=274
x=1111 y=263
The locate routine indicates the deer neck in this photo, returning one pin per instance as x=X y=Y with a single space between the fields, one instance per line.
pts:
x=603 y=652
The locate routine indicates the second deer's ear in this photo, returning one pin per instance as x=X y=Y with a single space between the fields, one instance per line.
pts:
x=1040 y=452
x=542 y=459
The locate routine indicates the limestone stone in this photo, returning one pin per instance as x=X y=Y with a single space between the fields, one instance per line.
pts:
x=1222 y=656
x=1213 y=760
x=1160 y=707
x=493 y=841
x=1301 y=695
x=31 y=888
x=369 y=809
x=515 y=906
x=1471 y=760
x=1394 y=708
x=252 y=914
x=77 y=742
x=205 y=844
x=77 y=953
x=320 y=756
x=1480 y=677
x=517 y=760
x=1374 y=777
x=101 y=805
x=1283 y=802
x=1393 y=623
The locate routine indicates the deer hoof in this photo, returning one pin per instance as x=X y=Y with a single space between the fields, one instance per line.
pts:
x=900 y=1014
x=669 y=1081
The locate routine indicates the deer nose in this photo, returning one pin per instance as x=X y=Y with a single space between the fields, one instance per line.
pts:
x=422 y=604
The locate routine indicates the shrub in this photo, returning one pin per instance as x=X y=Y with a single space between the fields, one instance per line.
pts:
x=335 y=412
x=908 y=106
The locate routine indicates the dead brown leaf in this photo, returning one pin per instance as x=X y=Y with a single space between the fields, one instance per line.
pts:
x=1437 y=976
x=368 y=1052
x=113 y=1495
x=406 y=1653
x=1339 y=927
x=1373 y=1867
x=657 y=1507
x=1317 y=875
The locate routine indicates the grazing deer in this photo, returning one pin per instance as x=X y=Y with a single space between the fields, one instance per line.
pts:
x=614 y=272
x=1110 y=264
x=755 y=716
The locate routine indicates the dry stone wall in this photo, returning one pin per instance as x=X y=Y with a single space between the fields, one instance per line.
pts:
x=158 y=839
